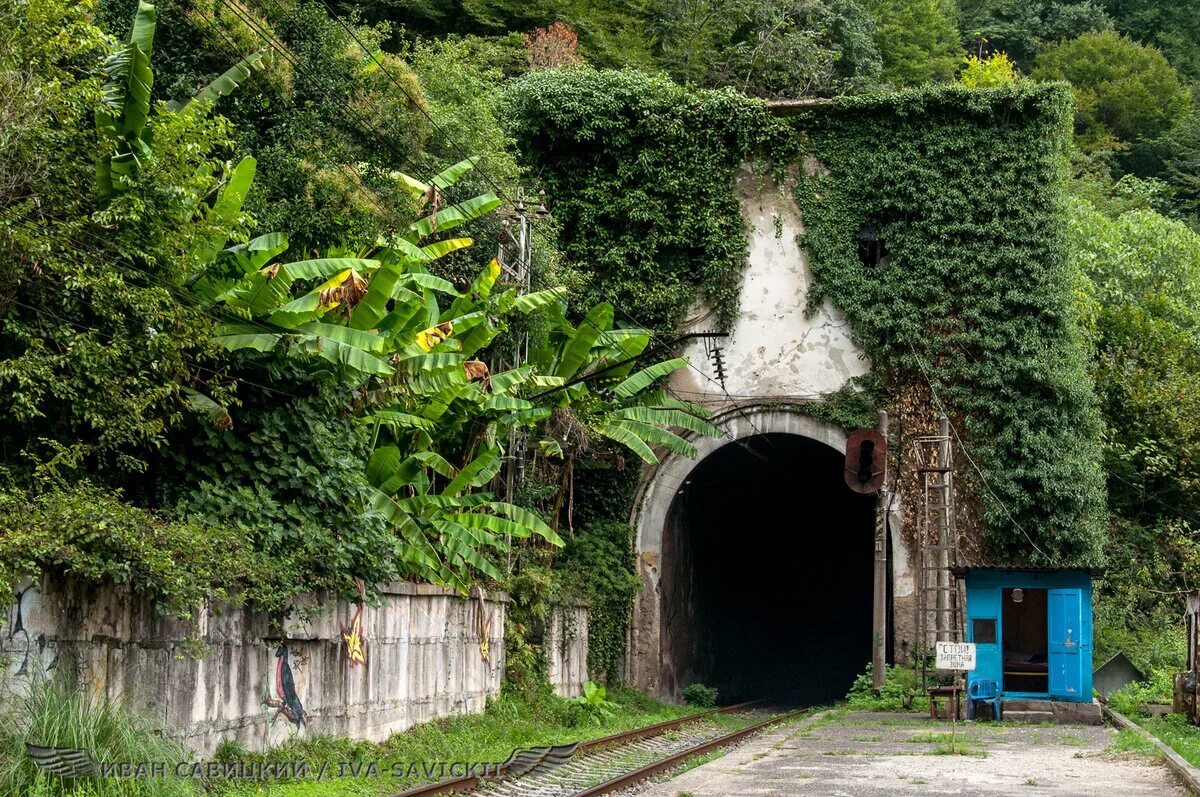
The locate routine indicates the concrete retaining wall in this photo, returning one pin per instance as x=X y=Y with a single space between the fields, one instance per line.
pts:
x=259 y=682
x=566 y=647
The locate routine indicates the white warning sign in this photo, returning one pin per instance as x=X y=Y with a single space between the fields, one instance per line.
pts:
x=955 y=656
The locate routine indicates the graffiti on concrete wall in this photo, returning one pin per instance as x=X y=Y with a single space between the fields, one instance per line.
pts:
x=285 y=700
x=356 y=650
x=24 y=645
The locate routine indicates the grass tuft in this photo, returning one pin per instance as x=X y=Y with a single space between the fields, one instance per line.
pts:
x=55 y=713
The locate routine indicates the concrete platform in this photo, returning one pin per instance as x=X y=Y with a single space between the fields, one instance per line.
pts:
x=872 y=754
x=1046 y=711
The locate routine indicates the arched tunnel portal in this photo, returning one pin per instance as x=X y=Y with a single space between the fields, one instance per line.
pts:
x=761 y=569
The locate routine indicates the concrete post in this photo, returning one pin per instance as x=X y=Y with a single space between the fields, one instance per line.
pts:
x=879 y=620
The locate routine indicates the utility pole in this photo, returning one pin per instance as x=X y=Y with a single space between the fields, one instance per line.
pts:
x=520 y=271
x=945 y=623
x=880 y=619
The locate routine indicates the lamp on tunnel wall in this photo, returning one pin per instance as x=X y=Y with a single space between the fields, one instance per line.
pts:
x=866 y=461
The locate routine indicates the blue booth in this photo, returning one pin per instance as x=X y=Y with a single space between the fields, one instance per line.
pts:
x=1033 y=634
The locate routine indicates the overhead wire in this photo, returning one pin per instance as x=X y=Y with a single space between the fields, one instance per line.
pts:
x=963 y=448
x=329 y=93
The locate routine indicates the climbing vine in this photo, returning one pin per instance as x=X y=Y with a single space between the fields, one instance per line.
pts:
x=640 y=169
x=598 y=563
x=963 y=189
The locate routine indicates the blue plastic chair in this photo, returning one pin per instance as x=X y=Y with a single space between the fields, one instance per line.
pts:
x=985 y=690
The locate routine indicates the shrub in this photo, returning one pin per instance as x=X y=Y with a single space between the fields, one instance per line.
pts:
x=1157 y=688
x=900 y=691
x=89 y=534
x=700 y=696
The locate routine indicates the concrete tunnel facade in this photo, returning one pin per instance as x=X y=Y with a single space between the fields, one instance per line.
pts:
x=755 y=558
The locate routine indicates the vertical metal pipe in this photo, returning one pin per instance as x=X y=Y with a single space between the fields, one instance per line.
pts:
x=880 y=618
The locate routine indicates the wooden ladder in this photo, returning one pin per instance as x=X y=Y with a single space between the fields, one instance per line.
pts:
x=939 y=616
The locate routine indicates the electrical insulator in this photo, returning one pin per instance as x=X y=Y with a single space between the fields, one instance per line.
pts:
x=718 y=359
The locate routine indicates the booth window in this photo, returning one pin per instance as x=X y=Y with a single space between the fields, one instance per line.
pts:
x=983 y=632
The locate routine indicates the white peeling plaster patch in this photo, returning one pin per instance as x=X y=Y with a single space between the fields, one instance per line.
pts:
x=774 y=349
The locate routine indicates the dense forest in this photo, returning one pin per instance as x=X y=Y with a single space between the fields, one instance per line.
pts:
x=253 y=340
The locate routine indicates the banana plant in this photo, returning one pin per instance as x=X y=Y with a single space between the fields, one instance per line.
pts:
x=382 y=319
x=123 y=113
x=610 y=400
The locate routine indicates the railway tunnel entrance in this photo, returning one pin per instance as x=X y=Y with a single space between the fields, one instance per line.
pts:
x=765 y=587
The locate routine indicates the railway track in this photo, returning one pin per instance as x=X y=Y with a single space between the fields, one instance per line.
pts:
x=613 y=763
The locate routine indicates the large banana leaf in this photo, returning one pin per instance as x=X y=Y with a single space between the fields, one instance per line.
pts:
x=125 y=106
x=658 y=399
x=576 y=352
x=477 y=472
x=323 y=267
x=434 y=372
x=226 y=208
x=627 y=438
x=439 y=403
x=382 y=464
x=538 y=299
x=258 y=251
x=216 y=413
x=458 y=542
x=428 y=281
x=449 y=176
x=506 y=404
x=397 y=419
x=667 y=417
x=527 y=519
x=246 y=336
x=647 y=376
x=455 y=215
x=373 y=306
x=657 y=436
x=332 y=343
x=439 y=249
x=506 y=381
x=223 y=85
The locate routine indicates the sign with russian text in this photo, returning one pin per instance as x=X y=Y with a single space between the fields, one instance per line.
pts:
x=955 y=656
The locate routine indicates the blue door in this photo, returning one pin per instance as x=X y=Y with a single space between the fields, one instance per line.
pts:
x=1066 y=642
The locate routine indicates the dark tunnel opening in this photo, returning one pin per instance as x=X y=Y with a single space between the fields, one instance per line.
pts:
x=767 y=574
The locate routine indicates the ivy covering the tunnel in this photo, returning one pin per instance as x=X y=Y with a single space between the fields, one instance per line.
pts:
x=964 y=187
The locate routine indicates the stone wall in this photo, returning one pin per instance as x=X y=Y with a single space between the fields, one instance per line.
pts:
x=256 y=681
x=566 y=646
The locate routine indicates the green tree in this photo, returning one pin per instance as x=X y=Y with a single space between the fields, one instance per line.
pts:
x=97 y=353
x=1023 y=29
x=611 y=33
x=1171 y=25
x=918 y=40
x=771 y=48
x=1123 y=90
x=991 y=72
x=326 y=120
x=1141 y=298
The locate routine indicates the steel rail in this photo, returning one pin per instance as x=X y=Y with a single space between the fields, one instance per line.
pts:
x=674 y=760
x=471 y=782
